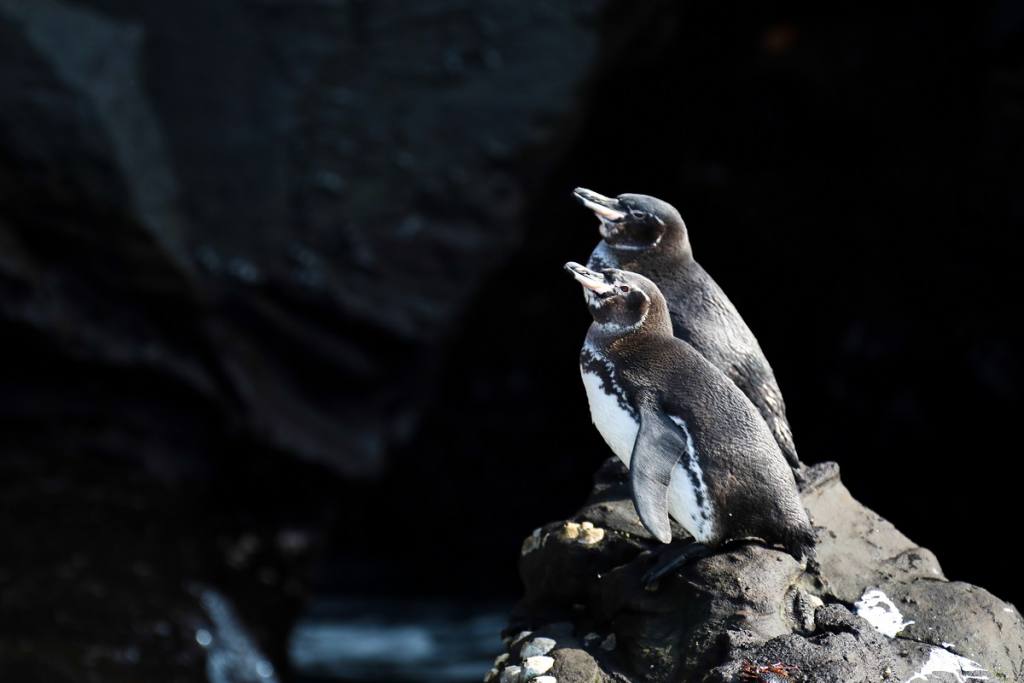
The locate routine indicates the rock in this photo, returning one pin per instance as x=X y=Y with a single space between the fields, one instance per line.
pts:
x=576 y=665
x=537 y=646
x=511 y=674
x=535 y=666
x=873 y=607
x=518 y=639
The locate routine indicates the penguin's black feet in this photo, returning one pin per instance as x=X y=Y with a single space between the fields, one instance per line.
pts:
x=672 y=558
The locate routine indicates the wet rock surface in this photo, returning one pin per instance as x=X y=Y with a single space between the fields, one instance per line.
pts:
x=873 y=606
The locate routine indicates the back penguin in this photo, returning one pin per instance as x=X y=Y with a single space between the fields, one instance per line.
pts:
x=696 y=448
x=646 y=235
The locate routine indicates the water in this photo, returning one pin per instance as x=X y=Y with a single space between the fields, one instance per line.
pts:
x=384 y=640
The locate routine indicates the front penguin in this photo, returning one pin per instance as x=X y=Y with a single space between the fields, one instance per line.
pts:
x=696 y=448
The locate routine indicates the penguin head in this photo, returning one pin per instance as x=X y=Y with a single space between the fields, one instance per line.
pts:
x=620 y=299
x=635 y=222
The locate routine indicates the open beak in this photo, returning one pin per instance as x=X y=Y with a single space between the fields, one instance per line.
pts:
x=606 y=208
x=590 y=279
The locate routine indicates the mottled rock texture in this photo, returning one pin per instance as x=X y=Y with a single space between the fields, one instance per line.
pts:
x=750 y=606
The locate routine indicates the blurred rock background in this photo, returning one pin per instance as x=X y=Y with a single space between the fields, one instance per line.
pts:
x=282 y=313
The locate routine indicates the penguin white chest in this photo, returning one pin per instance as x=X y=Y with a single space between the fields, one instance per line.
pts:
x=688 y=499
x=617 y=425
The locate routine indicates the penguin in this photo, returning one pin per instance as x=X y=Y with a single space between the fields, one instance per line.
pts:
x=696 y=448
x=646 y=235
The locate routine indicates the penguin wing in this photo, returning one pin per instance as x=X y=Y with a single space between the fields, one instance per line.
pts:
x=659 y=446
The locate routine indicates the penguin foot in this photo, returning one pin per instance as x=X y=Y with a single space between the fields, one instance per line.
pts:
x=671 y=559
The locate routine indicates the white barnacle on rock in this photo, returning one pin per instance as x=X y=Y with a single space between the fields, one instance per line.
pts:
x=878 y=610
x=590 y=535
x=511 y=674
x=586 y=525
x=571 y=531
x=531 y=542
x=535 y=666
x=942 y=661
x=537 y=646
x=519 y=638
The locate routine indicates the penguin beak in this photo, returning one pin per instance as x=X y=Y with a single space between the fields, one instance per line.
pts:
x=606 y=208
x=588 y=278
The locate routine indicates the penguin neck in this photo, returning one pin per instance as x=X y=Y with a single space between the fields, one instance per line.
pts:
x=614 y=337
x=672 y=249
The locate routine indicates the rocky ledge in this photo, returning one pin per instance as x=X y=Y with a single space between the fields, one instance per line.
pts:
x=873 y=606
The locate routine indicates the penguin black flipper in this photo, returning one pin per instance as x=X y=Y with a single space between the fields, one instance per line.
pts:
x=658 y=448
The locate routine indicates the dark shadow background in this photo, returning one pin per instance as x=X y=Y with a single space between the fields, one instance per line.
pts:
x=283 y=315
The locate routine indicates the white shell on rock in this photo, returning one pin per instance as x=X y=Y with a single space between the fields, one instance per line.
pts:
x=591 y=535
x=535 y=666
x=520 y=637
x=511 y=674
x=571 y=530
x=537 y=646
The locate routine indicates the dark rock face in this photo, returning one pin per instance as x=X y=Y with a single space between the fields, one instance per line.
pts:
x=233 y=238
x=184 y=194
x=872 y=607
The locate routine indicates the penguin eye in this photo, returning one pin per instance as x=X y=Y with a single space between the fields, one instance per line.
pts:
x=635 y=213
x=624 y=288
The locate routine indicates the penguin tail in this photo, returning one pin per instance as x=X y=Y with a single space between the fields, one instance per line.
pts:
x=784 y=437
x=800 y=543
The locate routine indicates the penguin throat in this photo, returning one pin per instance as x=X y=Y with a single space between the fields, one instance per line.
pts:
x=613 y=327
x=606 y=321
x=634 y=246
